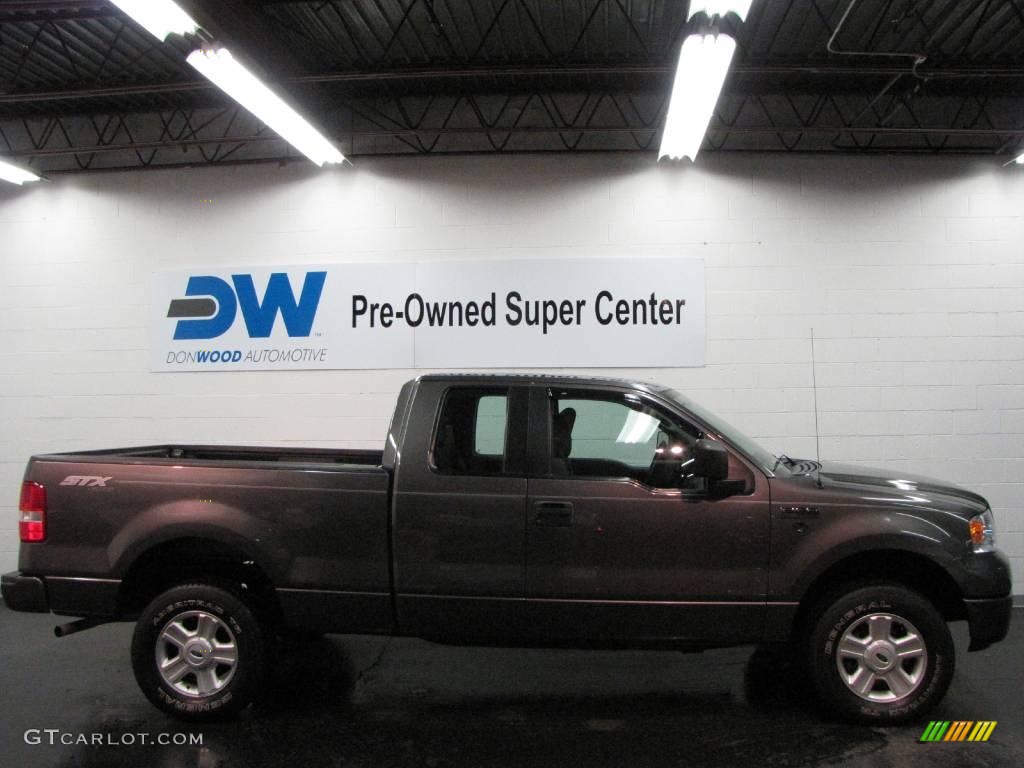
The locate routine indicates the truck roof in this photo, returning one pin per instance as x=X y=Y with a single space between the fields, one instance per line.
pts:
x=545 y=378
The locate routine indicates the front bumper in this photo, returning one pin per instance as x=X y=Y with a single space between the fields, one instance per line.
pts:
x=989 y=620
x=24 y=593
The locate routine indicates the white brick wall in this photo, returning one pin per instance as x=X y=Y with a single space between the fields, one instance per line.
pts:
x=911 y=272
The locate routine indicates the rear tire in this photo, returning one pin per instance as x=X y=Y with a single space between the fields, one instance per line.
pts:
x=880 y=654
x=197 y=653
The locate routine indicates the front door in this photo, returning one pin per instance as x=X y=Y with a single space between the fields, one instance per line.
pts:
x=623 y=544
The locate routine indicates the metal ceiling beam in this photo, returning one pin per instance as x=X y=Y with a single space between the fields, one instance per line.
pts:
x=35 y=6
x=602 y=122
x=420 y=75
x=135 y=146
x=7 y=16
x=524 y=130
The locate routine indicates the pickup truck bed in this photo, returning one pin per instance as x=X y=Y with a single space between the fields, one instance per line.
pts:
x=311 y=522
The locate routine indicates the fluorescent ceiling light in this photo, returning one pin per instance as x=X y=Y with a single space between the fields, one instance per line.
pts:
x=14 y=174
x=1019 y=159
x=161 y=18
x=248 y=90
x=720 y=7
x=703 y=64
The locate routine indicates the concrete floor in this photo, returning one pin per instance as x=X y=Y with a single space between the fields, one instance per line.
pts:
x=351 y=701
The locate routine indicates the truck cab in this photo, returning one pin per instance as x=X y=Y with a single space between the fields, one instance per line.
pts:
x=574 y=511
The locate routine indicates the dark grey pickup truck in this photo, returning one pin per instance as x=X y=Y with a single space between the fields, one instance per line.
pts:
x=515 y=511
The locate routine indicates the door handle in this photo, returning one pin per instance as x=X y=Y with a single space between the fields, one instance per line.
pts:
x=799 y=512
x=553 y=513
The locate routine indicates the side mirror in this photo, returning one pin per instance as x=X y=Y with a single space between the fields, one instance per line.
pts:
x=710 y=461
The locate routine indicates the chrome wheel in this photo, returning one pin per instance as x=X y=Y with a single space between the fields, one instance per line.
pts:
x=882 y=658
x=196 y=653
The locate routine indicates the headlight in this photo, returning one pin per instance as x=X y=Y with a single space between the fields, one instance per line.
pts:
x=983 y=531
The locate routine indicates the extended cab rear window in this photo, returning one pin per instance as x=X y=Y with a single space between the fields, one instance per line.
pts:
x=471 y=434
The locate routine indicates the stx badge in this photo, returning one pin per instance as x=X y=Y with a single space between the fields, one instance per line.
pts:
x=88 y=481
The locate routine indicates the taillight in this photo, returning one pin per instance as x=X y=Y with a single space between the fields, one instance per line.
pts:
x=32 y=526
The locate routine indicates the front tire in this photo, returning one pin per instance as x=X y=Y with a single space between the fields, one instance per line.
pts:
x=880 y=654
x=197 y=653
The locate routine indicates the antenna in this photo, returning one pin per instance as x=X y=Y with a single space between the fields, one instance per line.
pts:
x=814 y=388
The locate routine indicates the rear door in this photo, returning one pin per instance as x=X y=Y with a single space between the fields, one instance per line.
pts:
x=623 y=544
x=459 y=512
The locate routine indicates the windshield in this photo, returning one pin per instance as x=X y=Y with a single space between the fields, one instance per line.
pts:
x=754 y=451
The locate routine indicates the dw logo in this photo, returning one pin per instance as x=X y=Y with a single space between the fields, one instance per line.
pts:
x=214 y=313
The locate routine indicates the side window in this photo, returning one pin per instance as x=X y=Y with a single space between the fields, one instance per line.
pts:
x=491 y=418
x=612 y=435
x=471 y=432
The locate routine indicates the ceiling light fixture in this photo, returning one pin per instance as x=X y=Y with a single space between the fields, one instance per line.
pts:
x=219 y=66
x=721 y=7
x=704 y=60
x=161 y=18
x=703 y=64
x=14 y=174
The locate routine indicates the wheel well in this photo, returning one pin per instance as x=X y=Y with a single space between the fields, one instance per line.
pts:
x=197 y=560
x=907 y=568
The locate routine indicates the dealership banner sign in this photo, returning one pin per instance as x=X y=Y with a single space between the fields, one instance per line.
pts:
x=482 y=314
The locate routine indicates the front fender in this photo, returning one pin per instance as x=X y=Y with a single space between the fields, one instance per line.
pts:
x=803 y=550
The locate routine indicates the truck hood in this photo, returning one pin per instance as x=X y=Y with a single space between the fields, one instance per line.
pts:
x=880 y=486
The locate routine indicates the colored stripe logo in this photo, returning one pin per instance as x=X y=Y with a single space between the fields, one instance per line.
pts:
x=958 y=730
